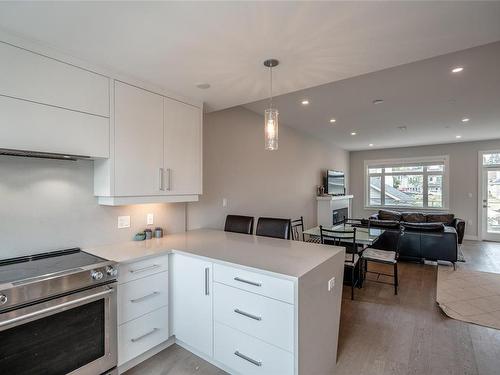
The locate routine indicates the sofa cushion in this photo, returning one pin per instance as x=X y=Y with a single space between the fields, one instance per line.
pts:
x=446 y=219
x=423 y=227
x=384 y=224
x=389 y=215
x=413 y=217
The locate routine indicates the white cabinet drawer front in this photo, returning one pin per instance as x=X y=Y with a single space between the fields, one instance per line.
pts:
x=265 y=318
x=142 y=334
x=143 y=268
x=141 y=296
x=255 y=282
x=40 y=79
x=38 y=127
x=247 y=355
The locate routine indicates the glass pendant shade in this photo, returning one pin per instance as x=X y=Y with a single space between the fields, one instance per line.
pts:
x=271 y=129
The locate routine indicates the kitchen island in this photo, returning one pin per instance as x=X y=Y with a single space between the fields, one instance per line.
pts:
x=247 y=304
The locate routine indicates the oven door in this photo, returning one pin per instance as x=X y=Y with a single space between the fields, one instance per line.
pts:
x=66 y=335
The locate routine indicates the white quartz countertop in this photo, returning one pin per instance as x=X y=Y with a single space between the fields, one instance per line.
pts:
x=291 y=258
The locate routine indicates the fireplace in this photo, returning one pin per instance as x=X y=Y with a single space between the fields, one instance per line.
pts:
x=339 y=214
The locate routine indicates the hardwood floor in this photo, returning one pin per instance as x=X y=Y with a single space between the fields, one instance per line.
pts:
x=381 y=333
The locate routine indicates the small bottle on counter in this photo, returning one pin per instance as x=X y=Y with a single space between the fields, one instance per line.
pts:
x=149 y=233
x=158 y=232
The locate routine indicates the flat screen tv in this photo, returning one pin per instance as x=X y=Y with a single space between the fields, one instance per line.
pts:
x=335 y=182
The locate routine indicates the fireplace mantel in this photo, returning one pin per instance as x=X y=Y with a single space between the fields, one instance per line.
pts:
x=328 y=204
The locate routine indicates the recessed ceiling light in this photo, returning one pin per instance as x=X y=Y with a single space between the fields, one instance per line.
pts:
x=203 y=86
x=305 y=102
x=402 y=128
x=457 y=69
x=353 y=133
x=465 y=119
x=332 y=120
x=377 y=101
x=458 y=136
x=370 y=145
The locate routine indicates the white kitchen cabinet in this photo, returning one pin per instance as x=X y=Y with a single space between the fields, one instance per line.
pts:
x=191 y=296
x=156 y=145
x=138 y=141
x=31 y=126
x=183 y=148
x=33 y=77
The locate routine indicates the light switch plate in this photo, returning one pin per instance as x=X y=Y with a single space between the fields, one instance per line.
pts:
x=123 y=222
x=331 y=284
x=224 y=202
x=149 y=219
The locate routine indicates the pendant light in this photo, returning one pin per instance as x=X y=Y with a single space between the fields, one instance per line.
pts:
x=271 y=114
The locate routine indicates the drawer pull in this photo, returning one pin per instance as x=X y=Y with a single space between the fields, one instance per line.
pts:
x=247 y=281
x=148 y=268
x=140 y=299
x=248 y=315
x=246 y=358
x=145 y=335
x=207 y=281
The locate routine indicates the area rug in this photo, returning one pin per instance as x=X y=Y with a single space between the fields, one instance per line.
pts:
x=471 y=296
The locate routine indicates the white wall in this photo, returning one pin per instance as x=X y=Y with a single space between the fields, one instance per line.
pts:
x=49 y=204
x=463 y=175
x=254 y=181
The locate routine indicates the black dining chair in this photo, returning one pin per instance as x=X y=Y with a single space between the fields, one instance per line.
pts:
x=346 y=239
x=239 y=224
x=298 y=229
x=274 y=227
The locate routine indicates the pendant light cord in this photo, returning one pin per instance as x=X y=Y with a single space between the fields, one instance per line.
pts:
x=271 y=88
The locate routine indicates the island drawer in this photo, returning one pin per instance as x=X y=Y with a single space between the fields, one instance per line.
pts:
x=142 y=268
x=245 y=354
x=138 y=297
x=265 y=318
x=254 y=282
x=141 y=334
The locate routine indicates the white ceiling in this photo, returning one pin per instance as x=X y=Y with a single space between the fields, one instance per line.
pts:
x=180 y=44
x=423 y=96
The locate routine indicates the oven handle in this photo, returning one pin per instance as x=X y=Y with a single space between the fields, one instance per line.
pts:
x=56 y=307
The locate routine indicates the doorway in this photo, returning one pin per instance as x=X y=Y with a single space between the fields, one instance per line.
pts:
x=490 y=195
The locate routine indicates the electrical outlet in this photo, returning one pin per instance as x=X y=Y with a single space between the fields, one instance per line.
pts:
x=331 y=284
x=123 y=222
x=149 y=219
x=469 y=222
x=224 y=202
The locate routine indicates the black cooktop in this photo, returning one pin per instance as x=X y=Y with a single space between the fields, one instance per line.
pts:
x=21 y=268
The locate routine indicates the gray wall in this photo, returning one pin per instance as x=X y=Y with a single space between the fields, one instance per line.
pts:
x=256 y=182
x=463 y=175
x=49 y=204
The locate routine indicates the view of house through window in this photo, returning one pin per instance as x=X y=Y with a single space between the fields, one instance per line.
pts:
x=405 y=183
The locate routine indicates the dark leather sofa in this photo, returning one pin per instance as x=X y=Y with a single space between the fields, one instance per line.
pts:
x=424 y=236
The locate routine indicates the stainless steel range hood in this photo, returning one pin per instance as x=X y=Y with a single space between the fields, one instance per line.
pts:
x=41 y=155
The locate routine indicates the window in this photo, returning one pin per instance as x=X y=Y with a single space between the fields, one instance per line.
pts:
x=410 y=183
x=491 y=159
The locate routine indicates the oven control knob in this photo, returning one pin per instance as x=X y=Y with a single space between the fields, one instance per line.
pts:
x=96 y=275
x=111 y=271
x=3 y=299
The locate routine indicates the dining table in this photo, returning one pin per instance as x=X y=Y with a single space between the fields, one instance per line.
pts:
x=365 y=236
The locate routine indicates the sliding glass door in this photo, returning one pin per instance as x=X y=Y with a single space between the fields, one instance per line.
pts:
x=491 y=196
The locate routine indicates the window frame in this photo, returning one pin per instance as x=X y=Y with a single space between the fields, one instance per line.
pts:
x=429 y=160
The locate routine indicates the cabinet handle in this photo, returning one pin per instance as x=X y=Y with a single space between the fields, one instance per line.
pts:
x=169 y=179
x=248 y=315
x=140 y=299
x=207 y=281
x=161 y=179
x=246 y=358
x=247 y=281
x=135 y=339
x=148 y=268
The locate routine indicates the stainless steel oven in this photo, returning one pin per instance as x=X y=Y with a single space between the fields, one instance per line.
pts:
x=58 y=314
x=71 y=334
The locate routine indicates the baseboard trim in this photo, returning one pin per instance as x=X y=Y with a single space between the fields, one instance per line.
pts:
x=471 y=237
x=146 y=355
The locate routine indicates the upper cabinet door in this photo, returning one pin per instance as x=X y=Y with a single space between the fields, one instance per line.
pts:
x=138 y=141
x=183 y=148
x=29 y=76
